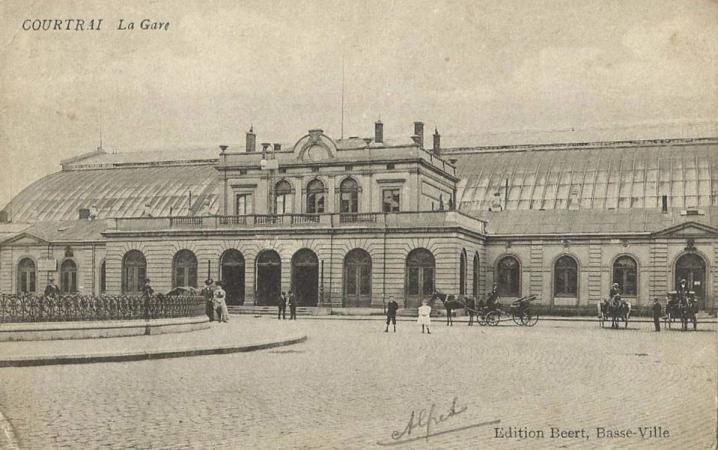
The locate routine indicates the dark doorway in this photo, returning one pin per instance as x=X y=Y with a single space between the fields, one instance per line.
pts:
x=305 y=277
x=357 y=278
x=692 y=268
x=269 y=278
x=420 y=267
x=232 y=276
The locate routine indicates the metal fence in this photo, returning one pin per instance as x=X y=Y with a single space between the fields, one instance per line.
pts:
x=33 y=308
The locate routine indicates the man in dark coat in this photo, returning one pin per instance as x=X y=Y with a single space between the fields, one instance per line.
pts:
x=391 y=309
x=682 y=291
x=292 y=306
x=657 y=313
x=52 y=290
x=208 y=294
x=147 y=290
x=492 y=298
x=282 y=313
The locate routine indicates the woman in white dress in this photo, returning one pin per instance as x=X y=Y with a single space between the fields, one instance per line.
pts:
x=424 y=316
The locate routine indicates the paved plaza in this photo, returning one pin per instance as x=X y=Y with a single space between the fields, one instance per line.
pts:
x=350 y=385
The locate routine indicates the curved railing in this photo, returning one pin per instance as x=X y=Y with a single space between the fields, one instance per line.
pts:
x=33 y=308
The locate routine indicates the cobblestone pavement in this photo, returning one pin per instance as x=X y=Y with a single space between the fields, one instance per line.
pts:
x=351 y=386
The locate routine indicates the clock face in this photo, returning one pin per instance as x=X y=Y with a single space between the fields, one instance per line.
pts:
x=316 y=153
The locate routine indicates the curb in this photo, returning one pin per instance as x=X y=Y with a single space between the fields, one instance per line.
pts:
x=31 y=361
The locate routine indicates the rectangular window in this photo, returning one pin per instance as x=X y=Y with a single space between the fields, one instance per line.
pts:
x=428 y=281
x=391 y=200
x=413 y=281
x=351 y=281
x=244 y=204
x=365 y=280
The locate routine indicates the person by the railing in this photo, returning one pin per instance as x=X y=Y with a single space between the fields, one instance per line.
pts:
x=282 y=312
x=221 y=303
x=52 y=290
x=292 y=306
x=147 y=293
x=208 y=294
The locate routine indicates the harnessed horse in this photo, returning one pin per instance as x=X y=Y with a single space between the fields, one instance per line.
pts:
x=452 y=302
x=688 y=309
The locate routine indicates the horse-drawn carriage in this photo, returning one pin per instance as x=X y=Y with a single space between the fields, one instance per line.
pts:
x=616 y=310
x=519 y=310
x=683 y=308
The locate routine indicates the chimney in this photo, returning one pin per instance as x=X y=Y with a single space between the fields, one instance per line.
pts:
x=378 y=132
x=417 y=140
x=84 y=214
x=277 y=147
x=664 y=203
x=419 y=131
x=437 y=142
x=251 y=141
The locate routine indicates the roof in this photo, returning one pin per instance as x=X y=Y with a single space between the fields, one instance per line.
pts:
x=591 y=221
x=599 y=176
x=101 y=159
x=118 y=192
x=65 y=231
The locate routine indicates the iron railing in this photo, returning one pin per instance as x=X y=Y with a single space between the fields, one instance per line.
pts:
x=34 y=308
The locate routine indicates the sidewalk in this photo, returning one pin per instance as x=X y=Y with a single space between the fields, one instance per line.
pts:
x=239 y=335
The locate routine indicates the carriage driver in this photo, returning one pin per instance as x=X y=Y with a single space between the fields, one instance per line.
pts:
x=492 y=299
x=682 y=290
x=615 y=290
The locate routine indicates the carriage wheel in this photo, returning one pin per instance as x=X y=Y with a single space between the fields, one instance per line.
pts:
x=481 y=319
x=529 y=319
x=492 y=318
x=518 y=320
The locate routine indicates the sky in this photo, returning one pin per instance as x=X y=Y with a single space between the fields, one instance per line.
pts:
x=483 y=72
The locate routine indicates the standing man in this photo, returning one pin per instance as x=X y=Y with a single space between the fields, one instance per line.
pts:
x=208 y=293
x=493 y=297
x=391 y=309
x=657 y=312
x=147 y=290
x=292 y=306
x=52 y=290
x=615 y=290
x=282 y=313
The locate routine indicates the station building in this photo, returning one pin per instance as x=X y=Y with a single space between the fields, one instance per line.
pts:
x=350 y=222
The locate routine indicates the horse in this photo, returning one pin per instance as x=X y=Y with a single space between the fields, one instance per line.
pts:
x=673 y=312
x=620 y=310
x=450 y=302
x=616 y=308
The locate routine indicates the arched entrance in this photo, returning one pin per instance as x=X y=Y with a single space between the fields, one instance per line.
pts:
x=693 y=268
x=305 y=277
x=420 y=267
x=232 y=276
x=269 y=278
x=134 y=271
x=357 y=278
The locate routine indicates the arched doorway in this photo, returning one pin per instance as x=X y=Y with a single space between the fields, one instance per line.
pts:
x=357 y=278
x=134 y=271
x=269 y=278
x=232 y=276
x=68 y=277
x=693 y=268
x=420 y=266
x=305 y=277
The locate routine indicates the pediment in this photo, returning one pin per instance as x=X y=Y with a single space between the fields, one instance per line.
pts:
x=315 y=146
x=688 y=230
x=25 y=239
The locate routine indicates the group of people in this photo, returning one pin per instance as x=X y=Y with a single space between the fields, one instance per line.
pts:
x=216 y=301
x=424 y=318
x=285 y=300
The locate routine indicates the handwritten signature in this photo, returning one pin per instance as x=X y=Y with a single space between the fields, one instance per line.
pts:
x=425 y=419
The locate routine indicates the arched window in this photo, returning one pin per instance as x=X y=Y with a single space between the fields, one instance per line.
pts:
x=420 y=267
x=692 y=268
x=565 y=277
x=462 y=273
x=305 y=277
x=508 y=277
x=184 y=269
x=283 y=198
x=26 y=276
x=315 y=197
x=232 y=276
x=68 y=277
x=134 y=272
x=103 y=277
x=357 y=278
x=349 y=196
x=475 y=285
x=626 y=275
